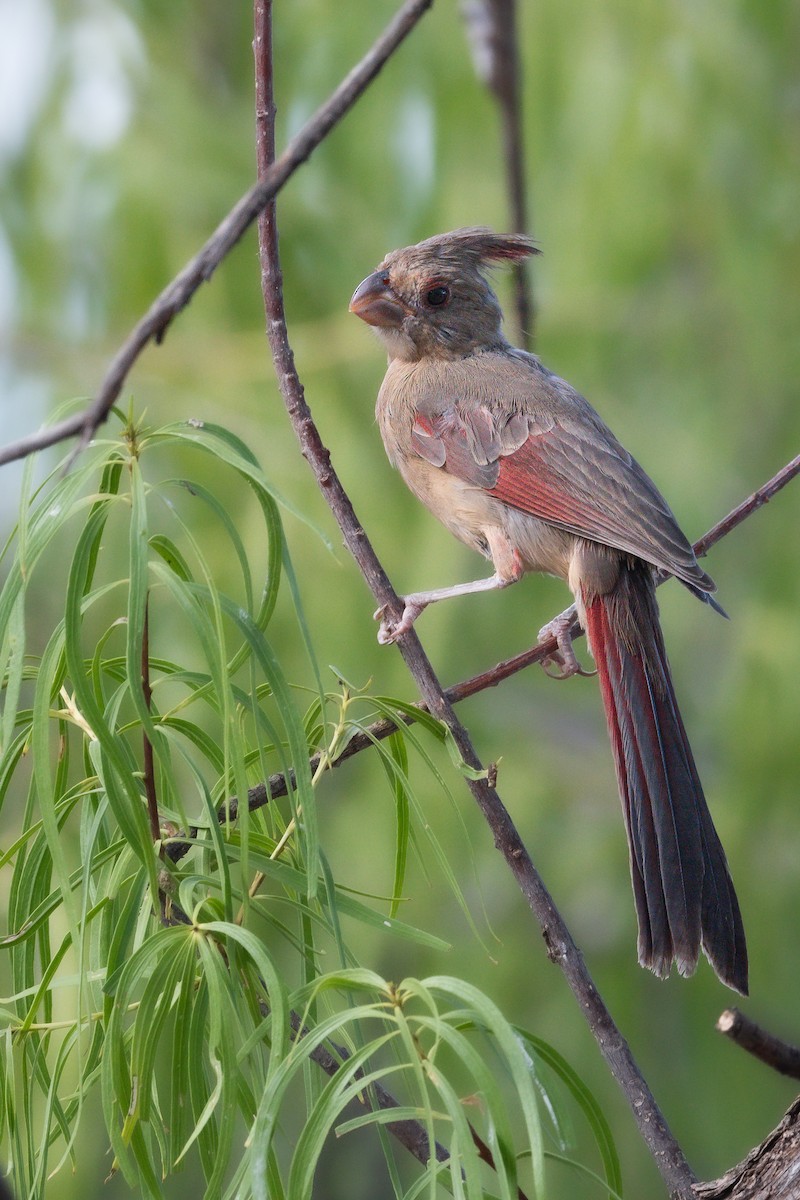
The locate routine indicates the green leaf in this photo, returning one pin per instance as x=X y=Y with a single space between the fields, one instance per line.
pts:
x=586 y=1101
x=515 y=1056
x=169 y=552
x=225 y=445
x=291 y=879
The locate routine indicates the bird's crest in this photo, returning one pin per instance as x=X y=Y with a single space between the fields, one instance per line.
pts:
x=479 y=244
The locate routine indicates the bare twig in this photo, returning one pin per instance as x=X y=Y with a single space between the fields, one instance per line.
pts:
x=154 y=324
x=492 y=31
x=759 y=498
x=752 y=1037
x=562 y=949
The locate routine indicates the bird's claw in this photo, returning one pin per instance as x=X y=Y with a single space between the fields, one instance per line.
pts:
x=564 y=658
x=391 y=627
x=565 y=671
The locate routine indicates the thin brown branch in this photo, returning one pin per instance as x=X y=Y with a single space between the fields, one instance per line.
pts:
x=177 y=294
x=492 y=32
x=752 y=1037
x=561 y=947
x=411 y=1134
x=759 y=498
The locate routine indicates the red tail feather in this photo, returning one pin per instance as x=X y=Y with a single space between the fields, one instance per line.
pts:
x=684 y=895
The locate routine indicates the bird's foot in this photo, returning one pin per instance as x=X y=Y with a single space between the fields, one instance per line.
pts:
x=564 y=658
x=391 y=628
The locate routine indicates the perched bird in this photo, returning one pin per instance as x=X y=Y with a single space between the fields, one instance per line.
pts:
x=521 y=468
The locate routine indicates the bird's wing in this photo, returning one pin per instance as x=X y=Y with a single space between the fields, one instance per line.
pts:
x=553 y=457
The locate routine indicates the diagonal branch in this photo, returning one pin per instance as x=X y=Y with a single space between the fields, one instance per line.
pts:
x=758 y=499
x=177 y=294
x=667 y=1153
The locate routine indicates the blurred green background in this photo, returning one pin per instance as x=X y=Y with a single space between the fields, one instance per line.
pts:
x=663 y=144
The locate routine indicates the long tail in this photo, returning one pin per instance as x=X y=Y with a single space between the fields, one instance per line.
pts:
x=684 y=894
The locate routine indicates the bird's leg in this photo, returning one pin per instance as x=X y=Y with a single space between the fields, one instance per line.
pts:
x=508 y=569
x=391 y=629
x=564 y=658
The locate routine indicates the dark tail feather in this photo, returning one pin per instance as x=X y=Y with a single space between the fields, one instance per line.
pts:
x=684 y=895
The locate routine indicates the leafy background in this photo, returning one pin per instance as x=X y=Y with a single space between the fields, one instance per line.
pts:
x=663 y=146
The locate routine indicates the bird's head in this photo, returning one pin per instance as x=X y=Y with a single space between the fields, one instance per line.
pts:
x=433 y=299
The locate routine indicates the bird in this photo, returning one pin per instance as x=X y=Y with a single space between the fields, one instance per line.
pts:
x=520 y=467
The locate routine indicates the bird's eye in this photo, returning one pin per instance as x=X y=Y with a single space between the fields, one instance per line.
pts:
x=437 y=296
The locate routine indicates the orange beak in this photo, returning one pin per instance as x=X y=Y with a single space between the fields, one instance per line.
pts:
x=375 y=302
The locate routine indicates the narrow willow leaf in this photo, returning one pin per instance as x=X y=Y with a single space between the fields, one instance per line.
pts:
x=120 y=1083
x=220 y=1056
x=443 y=859
x=42 y=751
x=381 y=1116
x=399 y=781
x=586 y=1173
x=157 y=1001
x=54 y=1116
x=230 y=449
x=517 y=1058
x=207 y=1141
x=279 y=1009
x=171 y=555
x=291 y=878
x=586 y=1101
x=354 y=979
x=111 y=763
x=12 y=661
x=138 y=560
x=484 y=1084
x=299 y=609
x=340 y=1090
x=199 y=492
x=187 y=598
x=333 y=909
x=267 y=1118
x=296 y=743
x=390 y=708
x=8 y=766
